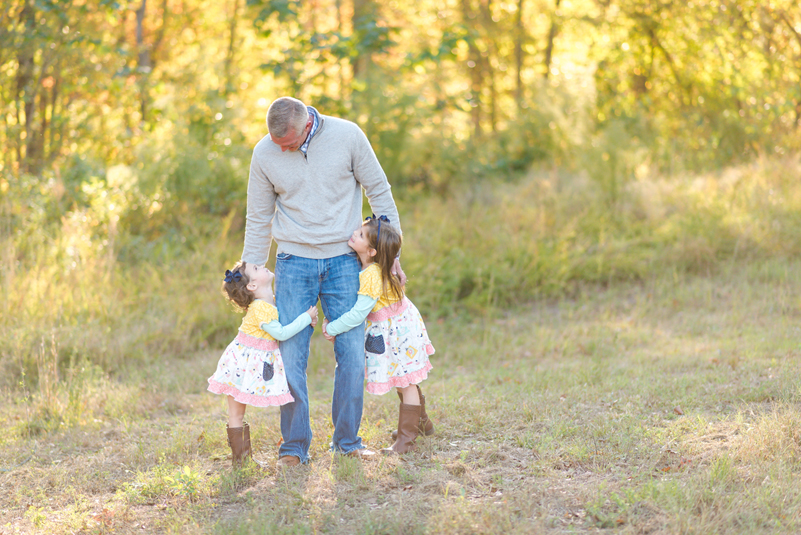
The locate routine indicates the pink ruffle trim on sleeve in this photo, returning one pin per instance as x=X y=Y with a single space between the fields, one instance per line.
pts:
x=413 y=378
x=389 y=311
x=255 y=342
x=249 y=399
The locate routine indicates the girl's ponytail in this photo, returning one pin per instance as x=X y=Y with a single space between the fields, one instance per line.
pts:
x=387 y=241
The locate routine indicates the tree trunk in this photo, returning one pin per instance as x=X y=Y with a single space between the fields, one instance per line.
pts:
x=519 y=36
x=39 y=137
x=342 y=90
x=797 y=36
x=362 y=11
x=229 y=58
x=25 y=92
x=144 y=60
x=54 y=145
x=657 y=44
x=474 y=67
x=551 y=38
x=487 y=70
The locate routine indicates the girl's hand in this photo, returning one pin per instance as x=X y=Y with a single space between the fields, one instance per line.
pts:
x=313 y=313
x=325 y=332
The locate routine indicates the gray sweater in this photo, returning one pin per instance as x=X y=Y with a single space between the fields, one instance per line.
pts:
x=311 y=204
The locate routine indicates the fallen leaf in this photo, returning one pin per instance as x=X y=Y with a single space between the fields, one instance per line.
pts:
x=678 y=411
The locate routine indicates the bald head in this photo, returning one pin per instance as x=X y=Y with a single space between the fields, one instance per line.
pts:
x=286 y=116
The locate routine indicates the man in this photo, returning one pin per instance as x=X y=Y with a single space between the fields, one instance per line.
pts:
x=305 y=191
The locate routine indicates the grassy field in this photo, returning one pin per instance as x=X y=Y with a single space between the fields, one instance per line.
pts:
x=669 y=405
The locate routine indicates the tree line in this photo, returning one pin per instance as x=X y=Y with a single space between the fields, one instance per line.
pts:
x=698 y=84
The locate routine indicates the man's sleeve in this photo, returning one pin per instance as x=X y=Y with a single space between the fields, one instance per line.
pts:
x=261 y=210
x=368 y=172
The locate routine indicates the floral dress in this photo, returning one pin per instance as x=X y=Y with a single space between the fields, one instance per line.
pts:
x=251 y=369
x=396 y=342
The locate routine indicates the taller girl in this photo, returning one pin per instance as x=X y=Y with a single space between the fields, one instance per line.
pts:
x=396 y=341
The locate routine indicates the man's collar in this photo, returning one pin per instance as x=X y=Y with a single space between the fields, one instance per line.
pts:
x=315 y=124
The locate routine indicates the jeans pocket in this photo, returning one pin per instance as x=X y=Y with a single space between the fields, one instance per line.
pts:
x=283 y=256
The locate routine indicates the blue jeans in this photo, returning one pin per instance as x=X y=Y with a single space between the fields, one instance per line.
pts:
x=299 y=282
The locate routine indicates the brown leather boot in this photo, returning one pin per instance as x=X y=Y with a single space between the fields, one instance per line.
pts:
x=426 y=425
x=239 y=440
x=408 y=420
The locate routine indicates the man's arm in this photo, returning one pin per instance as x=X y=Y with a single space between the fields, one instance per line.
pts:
x=368 y=172
x=371 y=176
x=261 y=210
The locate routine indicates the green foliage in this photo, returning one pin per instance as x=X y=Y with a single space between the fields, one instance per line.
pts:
x=36 y=515
x=429 y=162
x=691 y=85
x=124 y=284
x=492 y=245
x=184 y=483
x=123 y=186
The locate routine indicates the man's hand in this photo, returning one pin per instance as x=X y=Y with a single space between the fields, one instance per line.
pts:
x=396 y=270
x=313 y=313
x=325 y=332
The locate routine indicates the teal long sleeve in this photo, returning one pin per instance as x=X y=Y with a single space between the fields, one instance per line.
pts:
x=353 y=317
x=285 y=332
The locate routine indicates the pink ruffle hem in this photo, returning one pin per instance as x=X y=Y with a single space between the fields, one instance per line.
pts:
x=413 y=378
x=255 y=342
x=389 y=311
x=249 y=399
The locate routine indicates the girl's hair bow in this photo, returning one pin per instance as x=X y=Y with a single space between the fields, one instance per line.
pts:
x=380 y=218
x=232 y=277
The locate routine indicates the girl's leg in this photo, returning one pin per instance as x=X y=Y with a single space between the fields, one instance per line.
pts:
x=412 y=395
x=238 y=432
x=236 y=413
x=409 y=395
x=408 y=421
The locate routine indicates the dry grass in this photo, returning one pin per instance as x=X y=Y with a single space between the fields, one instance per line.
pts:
x=664 y=407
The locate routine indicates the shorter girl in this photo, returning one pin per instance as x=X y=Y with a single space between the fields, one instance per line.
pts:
x=250 y=371
x=396 y=342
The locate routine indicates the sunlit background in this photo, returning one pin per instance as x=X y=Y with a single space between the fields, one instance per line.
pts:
x=601 y=206
x=532 y=145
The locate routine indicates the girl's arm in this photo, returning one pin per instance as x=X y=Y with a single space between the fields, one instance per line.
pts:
x=285 y=332
x=353 y=317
